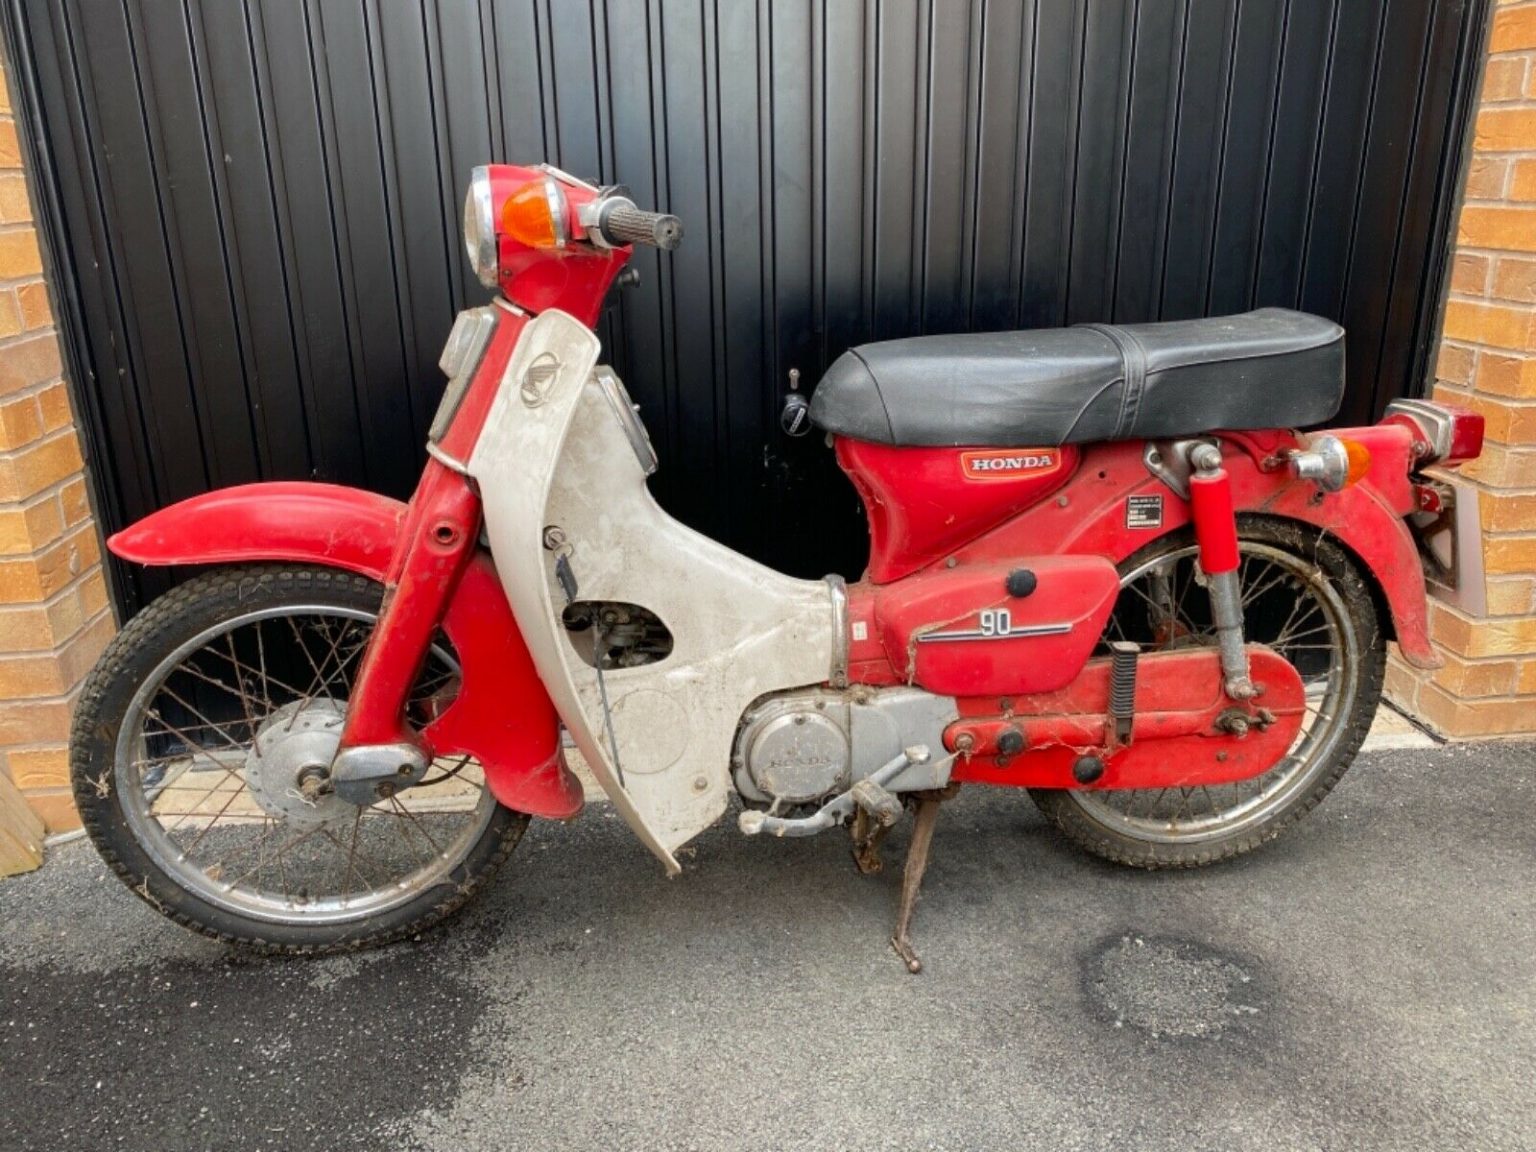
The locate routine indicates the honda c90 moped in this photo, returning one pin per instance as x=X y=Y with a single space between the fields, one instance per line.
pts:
x=1104 y=567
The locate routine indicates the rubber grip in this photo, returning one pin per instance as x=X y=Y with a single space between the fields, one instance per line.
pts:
x=622 y=224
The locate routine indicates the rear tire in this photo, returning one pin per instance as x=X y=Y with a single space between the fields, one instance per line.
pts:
x=1322 y=597
x=123 y=802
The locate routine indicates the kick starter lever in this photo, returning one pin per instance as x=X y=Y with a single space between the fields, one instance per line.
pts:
x=834 y=811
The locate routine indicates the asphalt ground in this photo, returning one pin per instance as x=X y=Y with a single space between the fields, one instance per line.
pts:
x=1367 y=982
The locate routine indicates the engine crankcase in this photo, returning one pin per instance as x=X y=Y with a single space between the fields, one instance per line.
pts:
x=798 y=746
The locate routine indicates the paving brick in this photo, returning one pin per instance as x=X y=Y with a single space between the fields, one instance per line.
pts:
x=1510 y=229
x=1514 y=28
x=21 y=422
x=26 y=528
x=1514 y=278
x=29 y=362
x=10 y=314
x=1503 y=555
x=1508 y=421
x=56 y=808
x=1455 y=363
x=1511 y=595
x=1502 y=325
x=30 y=677
x=1508 y=512
x=1525 y=684
x=35 y=721
x=40 y=466
x=1478 y=639
x=1504 y=79
x=53 y=402
x=1476 y=678
x=1465 y=719
x=36 y=310
x=1488 y=177
x=1469 y=274
x=19 y=254
x=10 y=145
x=15 y=203
x=34 y=769
x=1523 y=185
x=75 y=501
x=1505 y=375
x=1503 y=466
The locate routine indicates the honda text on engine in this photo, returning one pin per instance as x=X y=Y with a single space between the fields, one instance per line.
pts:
x=1104 y=568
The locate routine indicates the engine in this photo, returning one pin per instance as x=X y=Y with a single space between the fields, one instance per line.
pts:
x=801 y=746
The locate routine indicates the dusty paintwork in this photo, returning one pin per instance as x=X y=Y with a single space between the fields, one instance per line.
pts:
x=739 y=630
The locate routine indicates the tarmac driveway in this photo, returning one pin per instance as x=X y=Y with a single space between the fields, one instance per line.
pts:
x=1367 y=982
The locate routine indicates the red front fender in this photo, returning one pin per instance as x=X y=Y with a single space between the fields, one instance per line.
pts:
x=502 y=715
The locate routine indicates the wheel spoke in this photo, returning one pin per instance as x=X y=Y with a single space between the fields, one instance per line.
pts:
x=1281 y=598
x=245 y=835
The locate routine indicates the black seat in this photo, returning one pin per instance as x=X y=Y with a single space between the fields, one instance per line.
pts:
x=1267 y=369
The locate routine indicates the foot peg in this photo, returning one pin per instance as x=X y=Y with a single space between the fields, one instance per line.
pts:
x=883 y=807
x=841 y=806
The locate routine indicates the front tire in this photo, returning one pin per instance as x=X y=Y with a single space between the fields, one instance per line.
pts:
x=1305 y=597
x=184 y=750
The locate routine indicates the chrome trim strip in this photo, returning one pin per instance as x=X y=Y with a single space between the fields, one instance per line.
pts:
x=839 y=671
x=556 y=199
x=446 y=460
x=1011 y=634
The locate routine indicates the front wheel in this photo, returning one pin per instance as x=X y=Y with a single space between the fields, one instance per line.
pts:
x=199 y=751
x=1304 y=597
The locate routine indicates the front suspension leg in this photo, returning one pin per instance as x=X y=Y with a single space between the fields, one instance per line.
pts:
x=912 y=875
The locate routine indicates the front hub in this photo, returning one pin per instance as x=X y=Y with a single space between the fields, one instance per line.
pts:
x=288 y=768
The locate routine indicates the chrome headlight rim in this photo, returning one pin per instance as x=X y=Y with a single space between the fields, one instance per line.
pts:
x=480 y=228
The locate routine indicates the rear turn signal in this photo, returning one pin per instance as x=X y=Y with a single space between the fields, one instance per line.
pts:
x=534 y=215
x=1331 y=463
x=1359 y=457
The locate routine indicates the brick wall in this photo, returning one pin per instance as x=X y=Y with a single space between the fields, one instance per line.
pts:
x=55 y=616
x=1488 y=362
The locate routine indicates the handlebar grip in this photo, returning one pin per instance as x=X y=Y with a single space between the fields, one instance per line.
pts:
x=622 y=223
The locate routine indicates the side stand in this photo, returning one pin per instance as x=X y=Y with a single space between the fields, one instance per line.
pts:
x=917 y=863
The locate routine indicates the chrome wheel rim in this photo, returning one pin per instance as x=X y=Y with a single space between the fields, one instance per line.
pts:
x=1288 y=604
x=186 y=769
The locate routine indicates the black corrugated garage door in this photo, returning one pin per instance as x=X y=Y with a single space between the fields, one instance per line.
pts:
x=255 y=205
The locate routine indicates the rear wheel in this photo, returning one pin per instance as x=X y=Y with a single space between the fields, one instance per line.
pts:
x=199 y=756
x=1304 y=597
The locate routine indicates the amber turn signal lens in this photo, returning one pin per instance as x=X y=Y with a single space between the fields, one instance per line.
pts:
x=1359 y=457
x=534 y=215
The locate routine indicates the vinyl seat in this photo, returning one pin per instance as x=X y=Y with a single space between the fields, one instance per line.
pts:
x=1272 y=368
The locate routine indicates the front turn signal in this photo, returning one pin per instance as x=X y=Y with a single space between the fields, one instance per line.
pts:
x=534 y=215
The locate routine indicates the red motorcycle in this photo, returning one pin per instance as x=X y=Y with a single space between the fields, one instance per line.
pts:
x=1103 y=568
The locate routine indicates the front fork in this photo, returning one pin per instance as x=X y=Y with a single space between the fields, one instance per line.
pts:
x=380 y=754
x=1215 y=518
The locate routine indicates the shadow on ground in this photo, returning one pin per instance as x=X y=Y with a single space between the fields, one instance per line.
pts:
x=1366 y=982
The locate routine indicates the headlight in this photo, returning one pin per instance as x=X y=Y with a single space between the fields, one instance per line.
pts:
x=480 y=227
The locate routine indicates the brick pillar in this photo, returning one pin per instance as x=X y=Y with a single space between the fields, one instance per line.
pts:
x=1488 y=362
x=55 y=616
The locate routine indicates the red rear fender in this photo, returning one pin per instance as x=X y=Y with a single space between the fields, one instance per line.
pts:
x=502 y=715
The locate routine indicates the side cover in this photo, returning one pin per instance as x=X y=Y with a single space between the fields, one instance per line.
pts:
x=960 y=632
x=555 y=467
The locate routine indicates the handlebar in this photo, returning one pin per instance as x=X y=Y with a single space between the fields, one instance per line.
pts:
x=619 y=222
